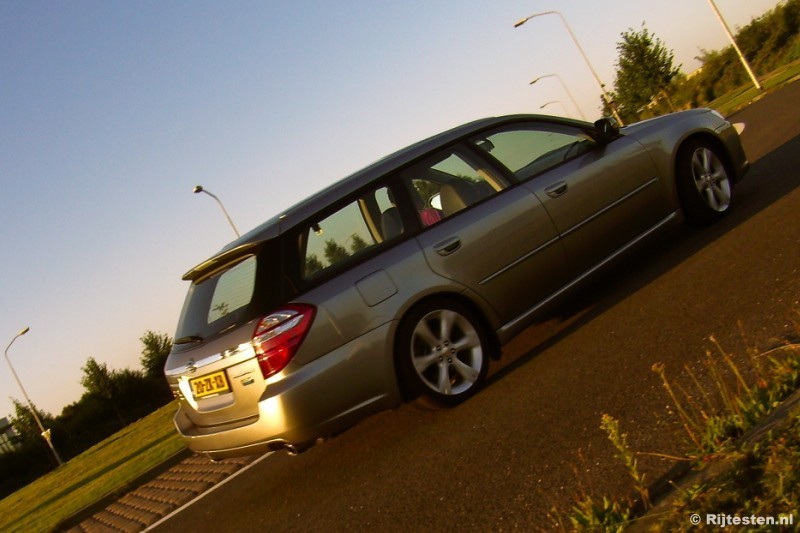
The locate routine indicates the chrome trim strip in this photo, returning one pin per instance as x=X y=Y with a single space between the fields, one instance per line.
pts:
x=518 y=261
x=607 y=208
x=197 y=365
x=510 y=326
x=241 y=353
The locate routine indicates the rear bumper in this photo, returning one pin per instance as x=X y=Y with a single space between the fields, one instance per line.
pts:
x=265 y=432
x=314 y=400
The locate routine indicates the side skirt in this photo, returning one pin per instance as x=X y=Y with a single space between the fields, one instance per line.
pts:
x=508 y=330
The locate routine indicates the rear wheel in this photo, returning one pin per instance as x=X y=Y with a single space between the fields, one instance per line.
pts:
x=704 y=183
x=443 y=351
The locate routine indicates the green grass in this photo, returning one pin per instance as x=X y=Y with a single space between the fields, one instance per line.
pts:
x=739 y=98
x=103 y=470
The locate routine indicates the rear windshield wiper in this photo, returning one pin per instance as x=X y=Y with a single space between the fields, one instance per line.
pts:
x=191 y=339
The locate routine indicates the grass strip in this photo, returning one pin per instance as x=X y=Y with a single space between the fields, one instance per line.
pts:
x=101 y=471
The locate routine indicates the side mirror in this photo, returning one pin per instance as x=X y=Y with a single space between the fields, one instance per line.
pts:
x=606 y=130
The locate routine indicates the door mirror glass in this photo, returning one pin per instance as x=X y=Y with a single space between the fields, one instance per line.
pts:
x=606 y=130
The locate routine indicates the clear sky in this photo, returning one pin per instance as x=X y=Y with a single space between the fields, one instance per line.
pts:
x=111 y=112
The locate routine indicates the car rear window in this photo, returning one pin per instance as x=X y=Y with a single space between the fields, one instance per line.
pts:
x=233 y=290
x=241 y=290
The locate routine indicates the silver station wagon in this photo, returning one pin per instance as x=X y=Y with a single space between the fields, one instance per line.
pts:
x=407 y=277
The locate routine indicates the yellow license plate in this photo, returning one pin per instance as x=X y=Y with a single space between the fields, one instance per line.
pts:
x=215 y=383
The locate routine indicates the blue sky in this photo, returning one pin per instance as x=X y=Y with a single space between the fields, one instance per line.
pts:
x=113 y=111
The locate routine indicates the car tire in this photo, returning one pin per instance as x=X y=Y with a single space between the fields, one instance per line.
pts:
x=442 y=352
x=705 y=184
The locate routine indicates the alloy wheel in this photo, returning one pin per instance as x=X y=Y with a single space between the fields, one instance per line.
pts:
x=447 y=352
x=711 y=179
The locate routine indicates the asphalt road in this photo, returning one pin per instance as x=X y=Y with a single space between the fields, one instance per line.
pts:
x=530 y=441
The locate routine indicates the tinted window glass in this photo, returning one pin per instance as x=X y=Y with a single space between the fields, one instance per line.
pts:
x=349 y=232
x=234 y=290
x=444 y=185
x=219 y=301
x=531 y=149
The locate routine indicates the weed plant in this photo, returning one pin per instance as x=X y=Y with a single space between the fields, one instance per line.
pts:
x=761 y=477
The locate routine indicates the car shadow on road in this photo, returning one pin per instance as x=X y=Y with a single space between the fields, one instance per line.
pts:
x=770 y=179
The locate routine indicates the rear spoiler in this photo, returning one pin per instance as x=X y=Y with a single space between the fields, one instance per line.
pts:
x=222 y=259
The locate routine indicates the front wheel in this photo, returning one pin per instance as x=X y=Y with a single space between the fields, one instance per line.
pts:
x=704 y=183
x=443 y=351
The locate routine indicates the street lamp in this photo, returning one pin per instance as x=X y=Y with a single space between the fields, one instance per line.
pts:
x=559 y=102
x=606 y=97
x=44 y=432
x=565 y=90
x=735 y=46
x=199 y=188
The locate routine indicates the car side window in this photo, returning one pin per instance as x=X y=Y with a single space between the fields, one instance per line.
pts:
x=530 y=149
x=447 y=183
x=350 y=232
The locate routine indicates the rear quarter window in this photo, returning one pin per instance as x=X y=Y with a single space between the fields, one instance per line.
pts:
x=349 y=232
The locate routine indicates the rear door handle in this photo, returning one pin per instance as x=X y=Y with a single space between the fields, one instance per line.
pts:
x=448 y=247
x=557 y=189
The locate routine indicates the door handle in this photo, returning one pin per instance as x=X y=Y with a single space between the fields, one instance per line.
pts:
x=448 y=247
x=557 y=189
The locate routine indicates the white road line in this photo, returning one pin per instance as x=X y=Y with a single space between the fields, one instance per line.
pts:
x=209 y=491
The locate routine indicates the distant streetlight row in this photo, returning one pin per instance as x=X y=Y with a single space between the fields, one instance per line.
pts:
x=602 y=85
x=559 y=102
x=606 y=97
x=564 y=85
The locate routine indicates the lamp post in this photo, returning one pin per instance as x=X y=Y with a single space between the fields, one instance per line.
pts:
x=566 y=90
x=735 y=46
x=606 y=97
x=44 y=432
x=199 y=189
x=559 y=102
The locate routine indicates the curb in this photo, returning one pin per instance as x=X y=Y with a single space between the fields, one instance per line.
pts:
x=155 y=494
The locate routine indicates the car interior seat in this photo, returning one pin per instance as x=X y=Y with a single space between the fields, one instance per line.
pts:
x=456 y=195
x=391 y=223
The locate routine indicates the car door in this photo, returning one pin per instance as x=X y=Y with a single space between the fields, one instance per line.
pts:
x=495 y=239
x=599 y=197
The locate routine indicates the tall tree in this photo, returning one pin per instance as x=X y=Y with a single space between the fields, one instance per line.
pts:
x=358 y=243
x=644 y=73
x=335 y=252
x=154 y=353
x=99 y=380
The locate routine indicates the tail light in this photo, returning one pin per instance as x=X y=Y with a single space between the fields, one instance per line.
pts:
x=279 y=335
